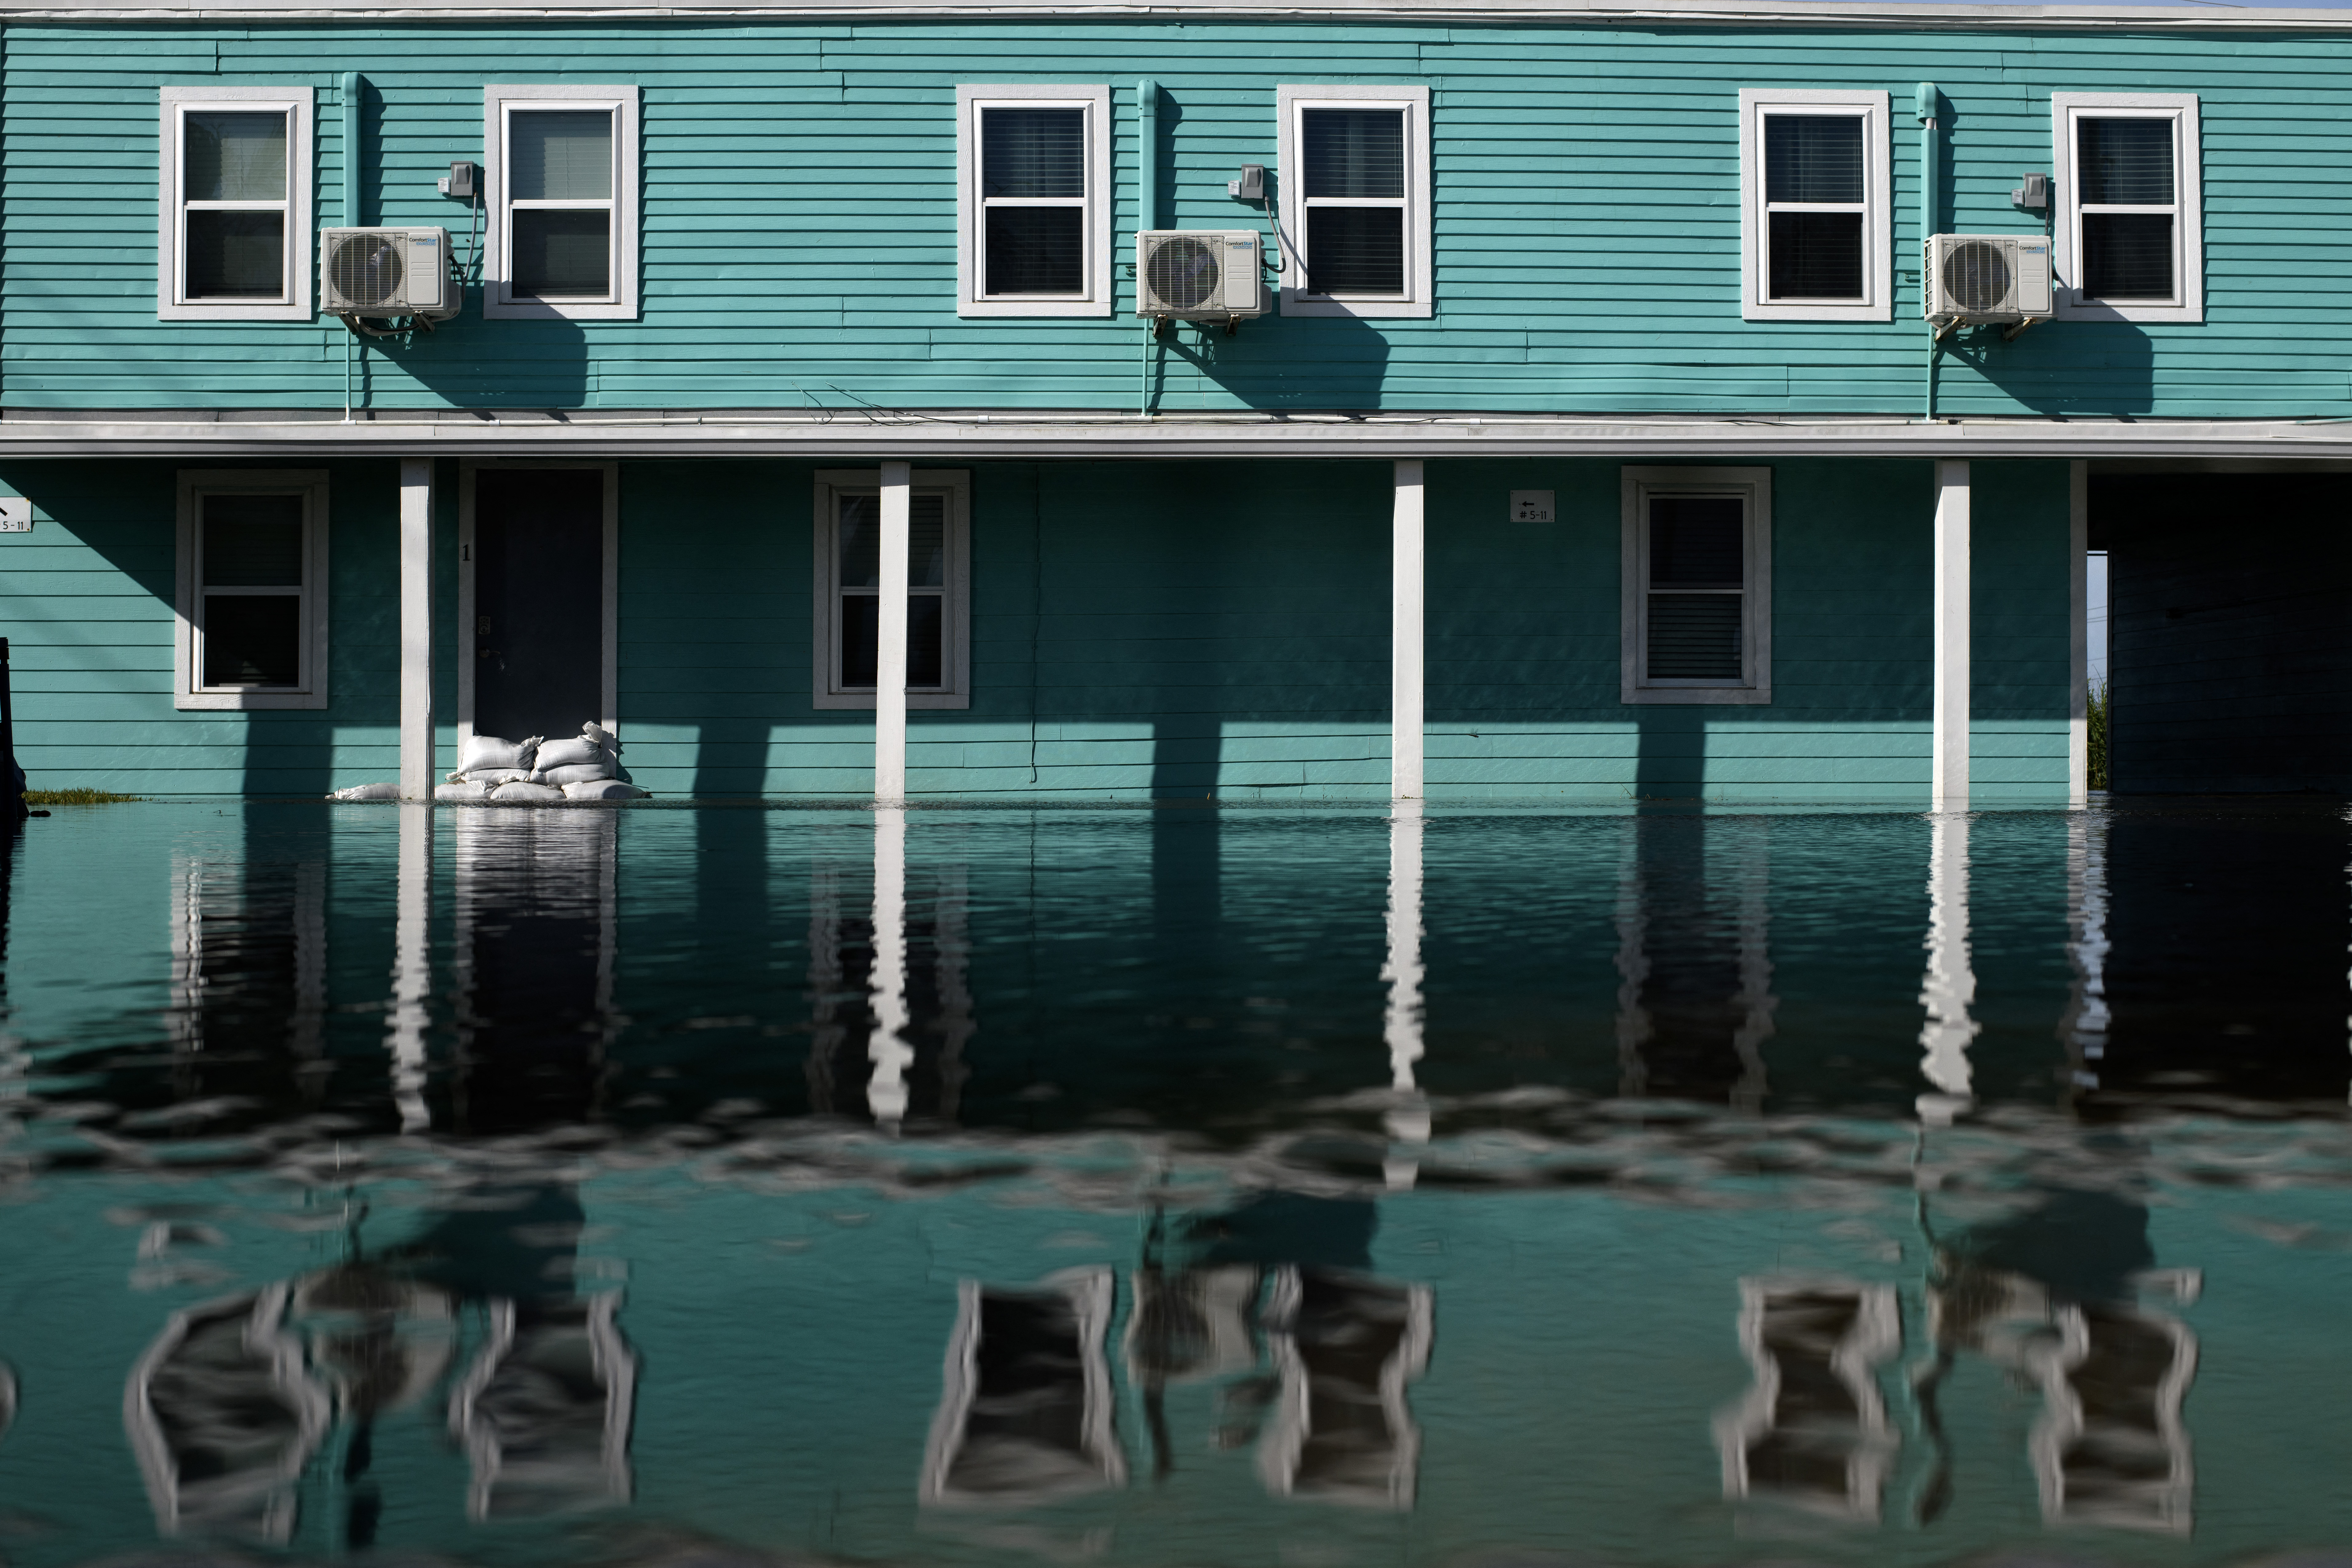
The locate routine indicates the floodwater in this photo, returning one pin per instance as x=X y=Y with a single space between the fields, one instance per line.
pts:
x=1188 y=1187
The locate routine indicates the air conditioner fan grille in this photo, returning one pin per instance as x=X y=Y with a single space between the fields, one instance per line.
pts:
x=1977 y=277
x=365 y=269
x=1184 y=274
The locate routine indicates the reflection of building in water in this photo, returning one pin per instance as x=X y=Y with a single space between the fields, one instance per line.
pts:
x=1025 y=1416
x=844 y=988
x=535 y=956
x=1694 y=960
x=2050 y=1297
x=1813 y=1430
x=381 y=1342
x=248 y=966
x=223 y=1416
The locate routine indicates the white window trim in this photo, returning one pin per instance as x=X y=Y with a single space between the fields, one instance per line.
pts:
x=187 y=661
x=1877 y=222
x=499 y=300
x=2187 y=191
x=608 y=596
x=971 y=99
x=1420 y=296
x=1754 y=486
x=300 y=226
x=826 y=690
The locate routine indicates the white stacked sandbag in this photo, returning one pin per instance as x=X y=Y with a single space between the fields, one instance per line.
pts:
x=601 y=789
x=483 y=754
x=461 y=792
x=368 y=791
x=523 y=793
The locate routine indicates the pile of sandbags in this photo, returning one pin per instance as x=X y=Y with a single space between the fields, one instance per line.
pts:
x=537 y=771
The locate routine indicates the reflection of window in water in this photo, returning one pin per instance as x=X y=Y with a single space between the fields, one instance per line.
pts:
x=1694 y=960
x=842 y=982
x=535 y=956
x=544 y=1411
x=2056 y=1296
x=1025 y=1416
x=223 y=1417
x=1344 y=1346
x=248 y=973
x=1813 y=1430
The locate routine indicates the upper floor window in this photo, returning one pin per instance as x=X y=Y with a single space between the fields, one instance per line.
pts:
x=1696 y=616
x=1353 y=172
x=234 y=238
x=251 y=621
x=1032 y=207
x=2130 y=241
x=1815 y=241
x=560 y=186
x=848 y=611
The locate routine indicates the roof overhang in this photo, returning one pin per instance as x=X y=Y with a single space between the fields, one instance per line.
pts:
x=1875 y=14
x=936 y=436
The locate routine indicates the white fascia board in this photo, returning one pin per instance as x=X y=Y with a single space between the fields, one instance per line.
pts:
x=955 y=438
x=1812 y=14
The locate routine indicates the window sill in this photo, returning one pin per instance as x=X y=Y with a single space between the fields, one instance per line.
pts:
x=915 y=700
x=2071 y=309
x=297 y=312
x=1040 y=307
x=1758 y=312
x=1719 y=696
x=495 y=309
x=246 y=701
x=1295 y=304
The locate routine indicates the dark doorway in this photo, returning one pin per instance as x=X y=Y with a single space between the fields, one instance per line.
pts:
x=538 y=601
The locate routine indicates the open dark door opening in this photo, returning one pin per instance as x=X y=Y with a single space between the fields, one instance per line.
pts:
x=539 y=597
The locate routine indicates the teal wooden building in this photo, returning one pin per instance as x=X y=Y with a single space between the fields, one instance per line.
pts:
x=767 y=382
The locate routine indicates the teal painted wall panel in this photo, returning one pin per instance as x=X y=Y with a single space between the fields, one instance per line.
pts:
x=799 y=219
x=2020 y=680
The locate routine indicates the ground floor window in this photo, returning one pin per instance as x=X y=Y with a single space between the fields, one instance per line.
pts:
x=1697 y=585
x=251 y=601
x=848 y=589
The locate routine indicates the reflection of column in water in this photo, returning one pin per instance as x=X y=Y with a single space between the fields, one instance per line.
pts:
x=306 y=1025
x=1695 y=987
x=1812 y=1431
x=827 y=984
x=534 y=952
x=1025 y=1409
x=1950 y=984
x=2083 y=1030
x=412 y=967
x=185 y=1024
x=1408 y=1116
x=886 y=1048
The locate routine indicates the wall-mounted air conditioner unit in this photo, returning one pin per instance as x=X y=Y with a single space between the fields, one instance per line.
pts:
x=388 y=272
x=1199 y=275
x=1988 y=277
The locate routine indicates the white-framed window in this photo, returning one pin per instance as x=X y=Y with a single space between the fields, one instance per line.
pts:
x=1696 y=614
x=233 y=240
x=1352 y=166
x=250 y=610
x=2130 y=237
x=1032 y=200
x=559 y=188
x=848 y=540
x=1816 y=242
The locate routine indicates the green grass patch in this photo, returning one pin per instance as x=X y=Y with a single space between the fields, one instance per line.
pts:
x=2099 y=728
x=75 y=797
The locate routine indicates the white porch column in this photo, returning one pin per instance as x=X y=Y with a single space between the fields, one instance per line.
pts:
x=1405 y=681
x=1949 y=784
x=887 y=1049
x=890 y=630
x=416 y=628
x=412 y=965
x=2078 y=616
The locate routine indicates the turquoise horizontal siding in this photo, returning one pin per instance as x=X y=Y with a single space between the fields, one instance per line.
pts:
x=799 y=219
x=1138 y=631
